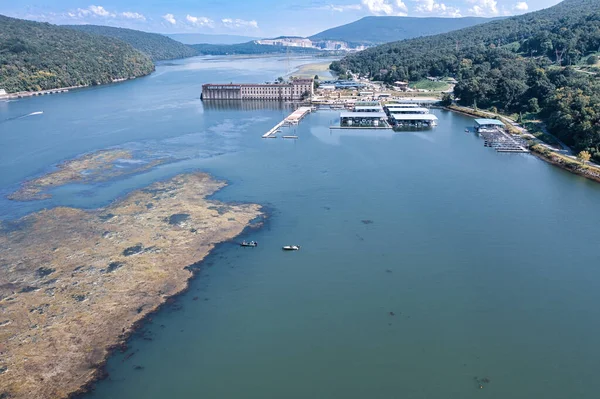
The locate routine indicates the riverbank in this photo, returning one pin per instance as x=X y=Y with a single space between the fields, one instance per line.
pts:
x=542 y=150
x=79 y=282
x=58 y=90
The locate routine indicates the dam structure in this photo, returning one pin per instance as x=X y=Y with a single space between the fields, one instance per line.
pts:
x=294 y=90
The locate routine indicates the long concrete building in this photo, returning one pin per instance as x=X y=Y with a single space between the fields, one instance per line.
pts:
x=294 y=90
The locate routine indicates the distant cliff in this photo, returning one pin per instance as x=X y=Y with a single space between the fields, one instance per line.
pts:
x=39 y=56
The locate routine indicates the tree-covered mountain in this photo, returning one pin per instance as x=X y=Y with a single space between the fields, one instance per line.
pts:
x=158 y=47
x=250 y=48
x=526 y=63
x=378 y=30
x=195 y=38
x=38 y=56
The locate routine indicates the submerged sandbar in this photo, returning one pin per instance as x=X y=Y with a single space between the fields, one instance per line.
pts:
x=89 y=168
x=74 y=282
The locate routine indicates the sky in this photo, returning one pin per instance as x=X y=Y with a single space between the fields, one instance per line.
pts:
x=257 y=18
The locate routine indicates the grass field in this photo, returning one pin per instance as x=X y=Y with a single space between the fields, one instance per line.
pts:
x=426 y=84
x=317 y=68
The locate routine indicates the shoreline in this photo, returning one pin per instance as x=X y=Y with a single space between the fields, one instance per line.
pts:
x=195 y=268
x=61 y=307
x=545 y=155
x=60 y=90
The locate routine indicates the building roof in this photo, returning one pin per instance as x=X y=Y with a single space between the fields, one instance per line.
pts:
x=414 y=117
x=483 y=121
x=365 y=107
x=408 y=109
x=347 y=114
x=398 y=105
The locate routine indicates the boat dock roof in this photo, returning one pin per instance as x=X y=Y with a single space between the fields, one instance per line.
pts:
x=348 y=114
x=488 y=122
x=414 y=117
x=408 y=109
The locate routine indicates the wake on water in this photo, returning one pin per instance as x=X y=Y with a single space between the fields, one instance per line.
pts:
x=22 y=116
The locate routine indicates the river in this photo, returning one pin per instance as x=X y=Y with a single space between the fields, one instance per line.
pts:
x=430 y=265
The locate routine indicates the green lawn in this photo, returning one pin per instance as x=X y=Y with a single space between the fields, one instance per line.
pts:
x=426 y=84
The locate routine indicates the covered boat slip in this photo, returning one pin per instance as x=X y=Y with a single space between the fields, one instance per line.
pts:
x=363 y=120
x=368 y=108
x=407 y=110
x=413 y=120
x=487 y=125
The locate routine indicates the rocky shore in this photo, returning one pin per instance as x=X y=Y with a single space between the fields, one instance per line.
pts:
x=74 y=283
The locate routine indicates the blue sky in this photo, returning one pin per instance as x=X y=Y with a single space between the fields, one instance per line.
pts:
x=264 y=18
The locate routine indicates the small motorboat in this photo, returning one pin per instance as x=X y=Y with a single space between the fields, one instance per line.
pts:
x=291 y=247
x=249 y=244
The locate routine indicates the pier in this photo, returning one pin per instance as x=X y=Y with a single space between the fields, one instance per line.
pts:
x=502 y=141
x=292 y=119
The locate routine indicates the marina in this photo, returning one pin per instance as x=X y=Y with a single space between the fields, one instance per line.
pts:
x=393 y=244
x=495 y=136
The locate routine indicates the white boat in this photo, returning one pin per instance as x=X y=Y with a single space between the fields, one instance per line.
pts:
x=249 y=244
x=291 y=247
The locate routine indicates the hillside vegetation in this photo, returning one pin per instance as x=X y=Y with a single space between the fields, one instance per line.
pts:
x=377 y=30
x=520 y=64
x=38 y=56
x=250 y=48
x=157 y=47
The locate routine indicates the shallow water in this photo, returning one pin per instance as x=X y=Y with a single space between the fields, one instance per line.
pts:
x=488 y=261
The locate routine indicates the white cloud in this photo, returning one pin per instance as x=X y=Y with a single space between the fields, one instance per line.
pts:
x=200 y=21
x=430 y=6
x=521 y=6
x=484 y=7
x=239 y=23
x=91 y=11
x=133 y=15
x=339 y=8
x=385 y=7
x=170 y=18
x=100 y=11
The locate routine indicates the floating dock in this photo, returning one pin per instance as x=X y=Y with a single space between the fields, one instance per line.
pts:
x=292 y=119
x=502 y=141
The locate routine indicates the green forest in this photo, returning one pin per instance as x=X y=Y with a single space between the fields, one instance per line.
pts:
x=524 y=64
x=157 y=47
x=38 y=56
x=250 y=48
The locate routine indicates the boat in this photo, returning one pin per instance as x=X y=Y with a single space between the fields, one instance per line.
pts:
x=249 y=244
x=291 y=247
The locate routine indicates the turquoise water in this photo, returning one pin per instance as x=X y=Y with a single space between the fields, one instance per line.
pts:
x=488 y=261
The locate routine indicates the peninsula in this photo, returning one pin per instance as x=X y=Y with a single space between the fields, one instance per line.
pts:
x=74 y=282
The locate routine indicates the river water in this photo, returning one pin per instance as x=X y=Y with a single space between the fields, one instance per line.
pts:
x=429 y=265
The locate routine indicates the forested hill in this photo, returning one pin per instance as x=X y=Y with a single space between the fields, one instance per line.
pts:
x=377 y=30
x=158 y=47
x=528 y=63
x=38 y=56
x=250 y=48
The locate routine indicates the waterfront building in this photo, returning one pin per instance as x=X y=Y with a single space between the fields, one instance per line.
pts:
x=294 y=90
x=418 y=120
x=368 y=108
x=362 y=119
x=482 y=124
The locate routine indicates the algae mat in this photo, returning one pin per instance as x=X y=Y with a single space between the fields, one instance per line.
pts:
x=73 y=283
